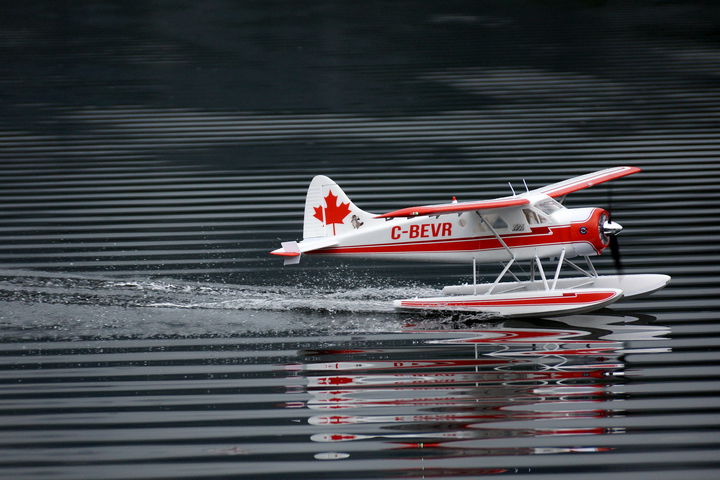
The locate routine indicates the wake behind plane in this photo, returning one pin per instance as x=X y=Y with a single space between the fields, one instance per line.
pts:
x=527 y=227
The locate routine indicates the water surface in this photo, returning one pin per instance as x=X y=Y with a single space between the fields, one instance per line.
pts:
x=152 y=155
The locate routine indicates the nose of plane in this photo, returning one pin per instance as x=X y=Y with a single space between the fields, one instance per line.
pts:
x=611 y=228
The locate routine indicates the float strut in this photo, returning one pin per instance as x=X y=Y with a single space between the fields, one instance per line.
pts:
x=502 y=274
x=474 y=276
x=559 y=266
x=542 y=272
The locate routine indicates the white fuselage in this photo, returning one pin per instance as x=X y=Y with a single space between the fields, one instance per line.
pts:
x=543 y=228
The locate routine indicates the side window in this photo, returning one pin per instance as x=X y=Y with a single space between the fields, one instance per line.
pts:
x=480 y=227
x=531 y=217
x=497 y=222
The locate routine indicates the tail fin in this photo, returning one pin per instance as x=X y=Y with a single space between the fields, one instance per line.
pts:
x=329 y=212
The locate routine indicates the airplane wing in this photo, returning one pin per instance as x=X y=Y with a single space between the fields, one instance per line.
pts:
x=584 y=181
x=555 y=190
x=446 y=208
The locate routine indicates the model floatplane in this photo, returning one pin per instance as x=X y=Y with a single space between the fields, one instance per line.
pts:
x=530 y=226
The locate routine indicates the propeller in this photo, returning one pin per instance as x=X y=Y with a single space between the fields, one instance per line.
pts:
x=612 y=229
x=615 y=252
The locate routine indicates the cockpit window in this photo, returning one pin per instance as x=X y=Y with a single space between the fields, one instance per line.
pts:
x=548 y=206
x=531 y=217
x=534 y=218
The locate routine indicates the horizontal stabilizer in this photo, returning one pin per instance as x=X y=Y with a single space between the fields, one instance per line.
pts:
x=292 y=251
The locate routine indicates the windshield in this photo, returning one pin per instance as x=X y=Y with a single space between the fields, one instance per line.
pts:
x=548 y=206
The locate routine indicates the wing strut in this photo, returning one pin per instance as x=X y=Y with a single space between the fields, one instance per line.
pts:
x=502 y=242
x=497 y=235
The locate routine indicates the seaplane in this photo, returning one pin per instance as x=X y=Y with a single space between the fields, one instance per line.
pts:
x=516 y=232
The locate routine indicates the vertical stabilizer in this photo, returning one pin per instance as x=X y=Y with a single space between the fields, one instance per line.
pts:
x=329 y=212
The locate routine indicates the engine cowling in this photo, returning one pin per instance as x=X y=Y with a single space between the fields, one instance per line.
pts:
x=595 y=231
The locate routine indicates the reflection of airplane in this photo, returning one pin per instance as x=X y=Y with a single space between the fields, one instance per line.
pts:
x=530 y=226
x=468 y=389
x=609 y=330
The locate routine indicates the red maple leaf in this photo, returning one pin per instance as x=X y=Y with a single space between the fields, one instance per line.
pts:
x=333 y=212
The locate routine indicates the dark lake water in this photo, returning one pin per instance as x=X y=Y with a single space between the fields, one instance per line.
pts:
x=153 y=153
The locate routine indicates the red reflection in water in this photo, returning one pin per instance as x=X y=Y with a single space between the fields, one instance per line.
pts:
x=465 y=388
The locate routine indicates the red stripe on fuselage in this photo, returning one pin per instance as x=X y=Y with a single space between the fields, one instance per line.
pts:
x=540 y=236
